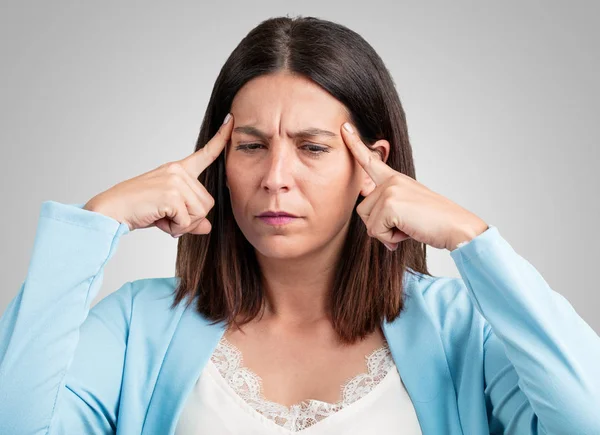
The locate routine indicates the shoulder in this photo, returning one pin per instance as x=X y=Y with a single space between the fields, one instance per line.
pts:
x=154 y=289
x=143 y=300
x=449 y=304
x=439 y=293
x=142 y=309
x=155 y=296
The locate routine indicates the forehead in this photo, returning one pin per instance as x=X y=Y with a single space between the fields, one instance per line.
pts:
x=283 y=100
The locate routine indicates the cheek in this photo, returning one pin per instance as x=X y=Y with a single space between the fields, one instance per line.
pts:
x=333 y=191
x=236 y=172
x=238 y=184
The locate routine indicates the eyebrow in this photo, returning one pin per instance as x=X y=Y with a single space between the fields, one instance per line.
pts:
x=307 y=132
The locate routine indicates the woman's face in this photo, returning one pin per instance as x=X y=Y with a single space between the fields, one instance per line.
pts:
x=271 y=165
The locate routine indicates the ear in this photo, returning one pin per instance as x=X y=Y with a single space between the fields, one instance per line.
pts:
x=380 y=150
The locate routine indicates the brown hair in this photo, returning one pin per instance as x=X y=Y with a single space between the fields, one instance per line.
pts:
x=220 y=268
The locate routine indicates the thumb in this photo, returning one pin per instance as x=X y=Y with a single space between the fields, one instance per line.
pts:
x=368 y=188
x=203 y=227
x=398 y=236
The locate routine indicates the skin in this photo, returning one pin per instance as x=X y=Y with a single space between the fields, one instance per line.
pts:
x=293 y=347
x=281 y=173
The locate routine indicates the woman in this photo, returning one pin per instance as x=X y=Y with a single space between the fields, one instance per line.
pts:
x=281 y=313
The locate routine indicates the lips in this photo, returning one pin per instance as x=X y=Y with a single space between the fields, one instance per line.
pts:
x=276 y=214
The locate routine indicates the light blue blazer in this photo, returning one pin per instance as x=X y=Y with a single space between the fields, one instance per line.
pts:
x=497 y=351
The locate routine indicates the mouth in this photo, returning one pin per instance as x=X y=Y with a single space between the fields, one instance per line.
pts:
x=277 y=218
x=277 y=214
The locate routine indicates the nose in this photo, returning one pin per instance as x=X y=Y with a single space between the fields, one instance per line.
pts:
x=278 y=168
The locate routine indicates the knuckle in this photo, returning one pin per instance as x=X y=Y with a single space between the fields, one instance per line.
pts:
x=186 y=221
x=172 y=193
x=393 y=191
x=165 y=210
x=211 y=201
x=199 y=211
x=202 y=216
x=173 y=180
x=360 y=210
x=396 y=179
x=165 y=165
x=389 y=199
x=173 y=168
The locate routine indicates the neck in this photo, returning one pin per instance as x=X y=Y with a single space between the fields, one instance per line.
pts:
x=297 y=289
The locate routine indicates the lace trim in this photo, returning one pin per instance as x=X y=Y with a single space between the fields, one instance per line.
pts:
x=247 y=384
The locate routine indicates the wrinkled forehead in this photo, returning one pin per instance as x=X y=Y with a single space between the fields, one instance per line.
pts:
x=281 y=105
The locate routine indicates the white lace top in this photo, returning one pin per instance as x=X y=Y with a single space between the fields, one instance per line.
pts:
x=228 y=399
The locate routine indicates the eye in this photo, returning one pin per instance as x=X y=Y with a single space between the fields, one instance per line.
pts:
x=312 y=149
x=248 y=147
x=315 y=150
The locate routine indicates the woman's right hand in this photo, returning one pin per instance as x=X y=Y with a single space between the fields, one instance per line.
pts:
x=169 y=197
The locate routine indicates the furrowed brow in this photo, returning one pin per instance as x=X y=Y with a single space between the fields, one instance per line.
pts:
x=307 y=132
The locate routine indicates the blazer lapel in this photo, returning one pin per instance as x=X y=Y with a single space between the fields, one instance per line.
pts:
x=417 y=350
x=192 y=344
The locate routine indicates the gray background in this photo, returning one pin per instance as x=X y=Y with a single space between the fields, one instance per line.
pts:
x=501 y=100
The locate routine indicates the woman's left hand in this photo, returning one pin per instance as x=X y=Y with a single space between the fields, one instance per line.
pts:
x=399 y=207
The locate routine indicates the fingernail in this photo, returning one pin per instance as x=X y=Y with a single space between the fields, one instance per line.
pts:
x=227 y=118
x=348 y=127
x=388 y=246
x=177 y=235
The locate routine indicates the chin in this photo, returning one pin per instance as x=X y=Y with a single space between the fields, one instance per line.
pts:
x=276 y=246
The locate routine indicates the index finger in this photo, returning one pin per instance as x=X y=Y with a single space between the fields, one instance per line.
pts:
x=197 y=162
x=377 y=169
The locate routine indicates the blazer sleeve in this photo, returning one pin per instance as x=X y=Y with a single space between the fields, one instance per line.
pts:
x=60 y=368
x=541 y=359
